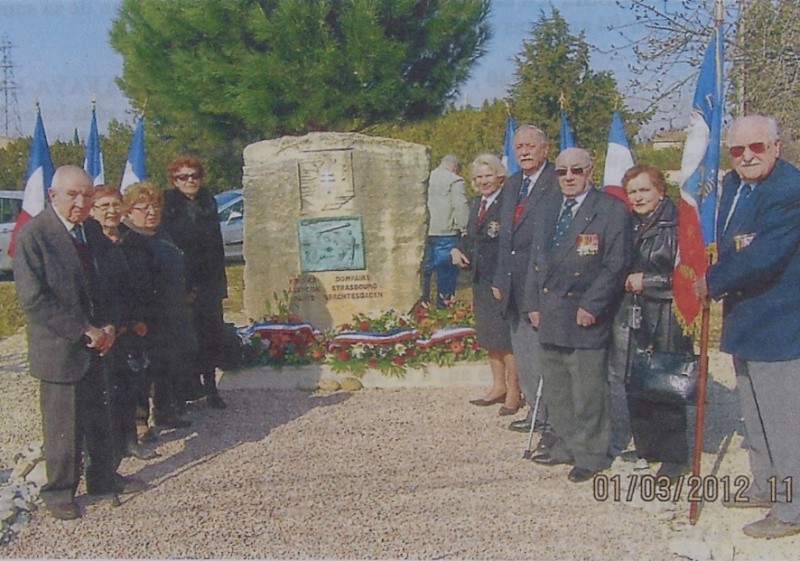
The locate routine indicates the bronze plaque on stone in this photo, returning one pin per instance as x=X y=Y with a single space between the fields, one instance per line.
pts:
x=331 y=244
x=326 y=181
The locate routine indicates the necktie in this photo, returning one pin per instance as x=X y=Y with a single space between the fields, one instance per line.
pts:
x=482 y=211
x=742 y=196
x=563 y=221
x=523 y=190
x=77 y=233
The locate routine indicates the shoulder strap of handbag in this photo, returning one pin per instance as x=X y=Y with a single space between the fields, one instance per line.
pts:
x=652 y=334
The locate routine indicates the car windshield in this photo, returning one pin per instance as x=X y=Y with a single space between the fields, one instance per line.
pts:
x=226 y=197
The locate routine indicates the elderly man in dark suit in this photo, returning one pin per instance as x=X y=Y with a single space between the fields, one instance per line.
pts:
x=65 y=287
x=757 y=275
x=523 y=192
x=581 y=252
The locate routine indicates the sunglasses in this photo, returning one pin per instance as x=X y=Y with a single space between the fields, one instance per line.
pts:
x=561 y=172
x=755 y=148
x=188 y=176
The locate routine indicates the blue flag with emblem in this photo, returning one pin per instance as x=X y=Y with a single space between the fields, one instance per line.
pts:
x=93 y=161
x=565 y=139
x=509 y=160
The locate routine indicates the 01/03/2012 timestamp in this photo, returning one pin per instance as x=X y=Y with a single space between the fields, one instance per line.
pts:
x=709 y=488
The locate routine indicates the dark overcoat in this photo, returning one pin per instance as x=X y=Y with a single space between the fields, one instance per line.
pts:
x=758 y=271
x=194 y=227
x=587 y=270
x=516 y=239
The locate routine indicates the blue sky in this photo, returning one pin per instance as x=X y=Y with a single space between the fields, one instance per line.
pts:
x=61 y=56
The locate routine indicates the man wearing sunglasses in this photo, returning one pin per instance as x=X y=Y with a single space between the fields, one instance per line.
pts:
x=581 y=252
x=757 y=277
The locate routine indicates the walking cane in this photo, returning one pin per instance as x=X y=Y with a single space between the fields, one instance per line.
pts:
x=528 y=452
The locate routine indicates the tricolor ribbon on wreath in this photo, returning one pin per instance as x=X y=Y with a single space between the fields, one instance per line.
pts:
x=267 y=328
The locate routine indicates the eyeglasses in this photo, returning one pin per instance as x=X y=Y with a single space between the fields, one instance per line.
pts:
x=188 y=176
x=561 y=172
x=147 y=208
x=105 y=207
x=755 y=148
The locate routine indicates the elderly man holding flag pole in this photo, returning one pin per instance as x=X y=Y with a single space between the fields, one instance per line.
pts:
x=758 y=235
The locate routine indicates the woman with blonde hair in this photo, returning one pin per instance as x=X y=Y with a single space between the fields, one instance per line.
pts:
x=477 y=252
x=157 y=266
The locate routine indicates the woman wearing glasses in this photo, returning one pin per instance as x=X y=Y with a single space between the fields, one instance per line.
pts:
x=659 y=429
x=159 y=287
x=190 y=218
x=128 y=388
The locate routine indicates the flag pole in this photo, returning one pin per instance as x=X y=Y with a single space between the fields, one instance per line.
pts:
x=702 y=378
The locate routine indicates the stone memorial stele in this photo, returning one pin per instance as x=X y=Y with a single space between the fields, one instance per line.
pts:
x=338 y=221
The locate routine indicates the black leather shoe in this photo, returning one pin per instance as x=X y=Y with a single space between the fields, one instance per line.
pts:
x=548 y=460
x=215 y=401
x=172 y=422
x=64 y=511
x=579 y=474
x=138 y=451
x=523 y=425
x=547 y=441
x=673 y=471
x=129 y=485
x=485 y=402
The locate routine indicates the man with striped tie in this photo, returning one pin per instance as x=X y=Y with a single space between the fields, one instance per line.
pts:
x=523 y=192
x=65 y=285
x=580 y=254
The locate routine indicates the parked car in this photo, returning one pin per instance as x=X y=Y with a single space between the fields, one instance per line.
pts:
x=230 y=205
x=10 y=204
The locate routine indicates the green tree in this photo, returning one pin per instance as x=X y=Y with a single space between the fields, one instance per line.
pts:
x=766 y=76
x=553 y=68
x=215 y=76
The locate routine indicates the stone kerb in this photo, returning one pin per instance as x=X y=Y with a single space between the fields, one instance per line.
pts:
x=472 y=374
x=338 y=221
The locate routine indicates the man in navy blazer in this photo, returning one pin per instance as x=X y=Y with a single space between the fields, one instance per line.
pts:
x=758 y=278
x=63 y=285
x=581 y=252
x=522 y=193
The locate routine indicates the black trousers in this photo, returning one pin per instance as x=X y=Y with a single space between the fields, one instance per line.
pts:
x=75 y=417
x=209 y=326
x=659 y=430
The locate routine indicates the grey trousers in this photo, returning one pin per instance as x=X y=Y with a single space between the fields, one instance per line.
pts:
x=576 y=387
x=526 y=347
x=768 y=394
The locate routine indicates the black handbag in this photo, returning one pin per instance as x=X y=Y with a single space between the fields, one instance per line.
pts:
x=661 y=376
x=664 y=377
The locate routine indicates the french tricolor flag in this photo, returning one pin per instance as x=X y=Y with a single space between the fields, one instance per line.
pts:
x=618 y=160
x=134 y=166
x=37 y=180
x=93 y=162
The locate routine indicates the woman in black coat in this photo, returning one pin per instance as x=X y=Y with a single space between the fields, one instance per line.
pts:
x=477 y=251
x=190 y=218
x=159 y=289
x=659 y=429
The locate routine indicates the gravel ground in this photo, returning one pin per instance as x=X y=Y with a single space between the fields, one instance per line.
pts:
x=376 y=474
